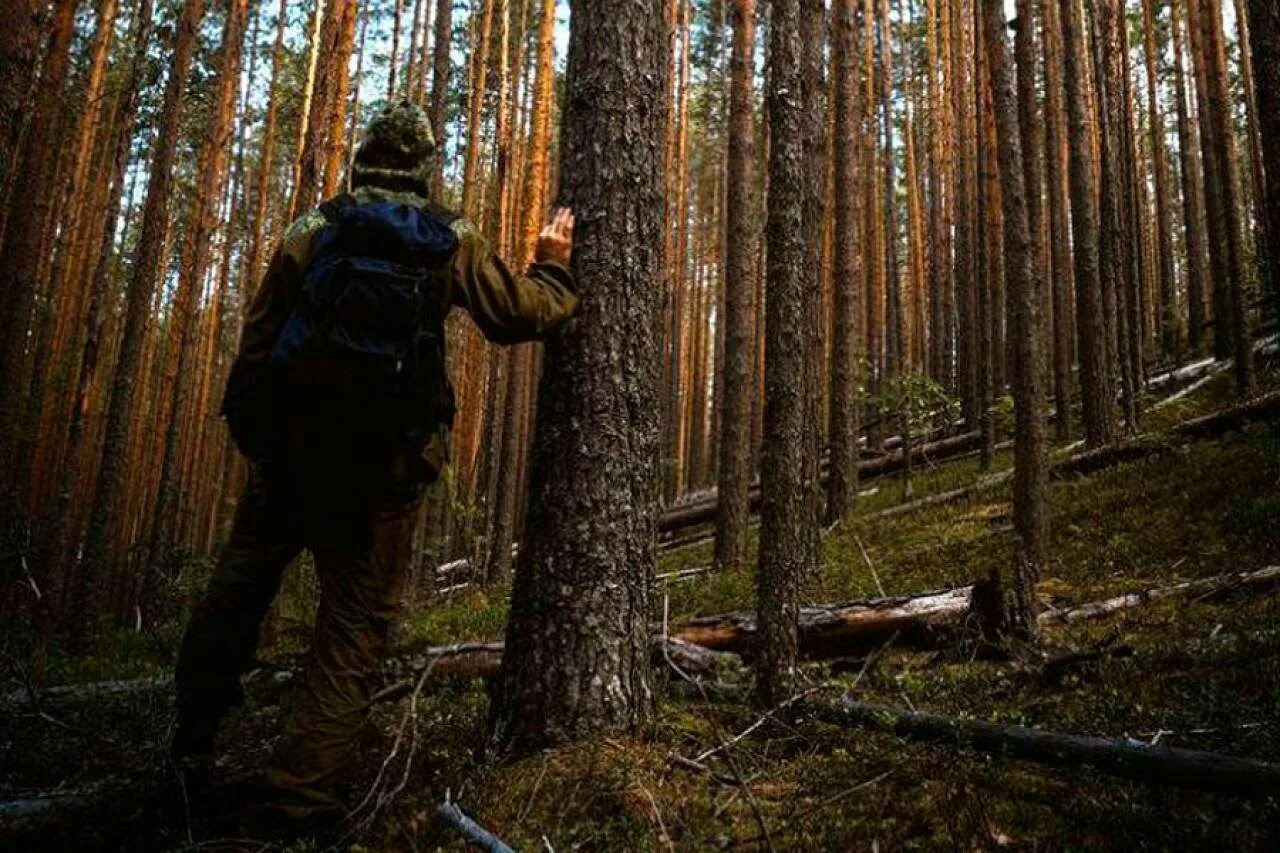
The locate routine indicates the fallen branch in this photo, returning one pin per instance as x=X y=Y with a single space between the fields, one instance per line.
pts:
x=1129 y=759
x=1213 y=587
x=478 y=835
x=931 y=620
x=1265 y=407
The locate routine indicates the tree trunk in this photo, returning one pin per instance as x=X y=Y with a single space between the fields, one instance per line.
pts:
x=846 y=343
x=578 y=637
x=1056 y=172
x=1264 y=18
x=1022 y=277
x=1097 y=396
x=1193 y=203
x=739 y=285
x=20 y=40
x=441 y=65
x=785 y=512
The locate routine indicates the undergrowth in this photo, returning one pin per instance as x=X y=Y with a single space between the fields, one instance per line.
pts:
x=1197 y=674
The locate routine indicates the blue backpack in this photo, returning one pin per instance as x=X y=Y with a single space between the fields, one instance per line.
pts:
x=362 y=353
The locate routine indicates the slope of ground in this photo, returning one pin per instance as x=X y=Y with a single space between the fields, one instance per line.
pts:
x=1199 y=674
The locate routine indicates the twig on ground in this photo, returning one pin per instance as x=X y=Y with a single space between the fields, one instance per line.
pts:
x=482 y=837
x=866 y=558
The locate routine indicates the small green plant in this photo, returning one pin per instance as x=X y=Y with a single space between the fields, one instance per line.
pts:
x=916 y=405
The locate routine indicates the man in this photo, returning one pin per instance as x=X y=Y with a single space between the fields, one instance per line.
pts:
x=340 y=398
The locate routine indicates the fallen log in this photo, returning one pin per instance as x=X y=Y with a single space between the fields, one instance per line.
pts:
x=703 y=510
x=1264 y=407
x=1209 y=588
x=708 y=646
x=931 y=620
x=1128 y=759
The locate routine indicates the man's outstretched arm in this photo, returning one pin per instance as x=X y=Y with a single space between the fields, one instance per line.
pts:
x=511 y=308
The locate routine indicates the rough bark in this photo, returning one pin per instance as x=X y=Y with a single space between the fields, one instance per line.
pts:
x=1165 y=291
x=441 y=64
x=183 y=357
x=1022 y=283
x=846 y=342
x=785 y=510
x=577 y=639
x=734 y=475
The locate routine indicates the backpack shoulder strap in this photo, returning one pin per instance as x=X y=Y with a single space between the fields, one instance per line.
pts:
x=334 y=208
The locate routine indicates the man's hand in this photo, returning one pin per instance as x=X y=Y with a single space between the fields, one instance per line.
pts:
x=555 y=243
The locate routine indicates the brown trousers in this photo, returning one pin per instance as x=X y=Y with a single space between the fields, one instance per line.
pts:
x=361 y=571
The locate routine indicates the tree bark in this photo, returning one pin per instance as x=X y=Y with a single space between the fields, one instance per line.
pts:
x=785 y=510
x=846 y=343
x=1022 y=283
x=577 y=639
x=739 y=285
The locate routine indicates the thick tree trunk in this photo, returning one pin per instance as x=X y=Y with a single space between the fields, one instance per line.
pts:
x=1166 y=293
x=739 y=286
x=577 y=640
x=19 y=51
x=785 y=510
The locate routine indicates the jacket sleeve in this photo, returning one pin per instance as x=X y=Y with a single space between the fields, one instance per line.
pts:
x=509 y=308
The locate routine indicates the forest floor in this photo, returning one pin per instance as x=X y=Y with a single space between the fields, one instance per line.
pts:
x=1209 y=507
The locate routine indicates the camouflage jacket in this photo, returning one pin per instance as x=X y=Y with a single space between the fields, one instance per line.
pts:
x=507 y=307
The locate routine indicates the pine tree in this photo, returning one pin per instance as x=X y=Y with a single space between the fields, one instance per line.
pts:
x=581 y=592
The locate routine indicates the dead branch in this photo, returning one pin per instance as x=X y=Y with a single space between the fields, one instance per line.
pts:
x=1125 y=758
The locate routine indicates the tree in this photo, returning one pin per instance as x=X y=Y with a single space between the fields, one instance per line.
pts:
x=21 y=255
x=785 y=513
x=1095 y=385
x=100 y=546
x=1195 y=257
x=1167 y=295
x=578 y=637
x=1265 y=23
x=182 y=358
x=846 y=355
x=739 y=286
x=1031 y=473
x=1056 y=173
x=1222 y=182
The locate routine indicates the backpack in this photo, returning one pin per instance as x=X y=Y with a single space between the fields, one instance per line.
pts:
x=358 y=367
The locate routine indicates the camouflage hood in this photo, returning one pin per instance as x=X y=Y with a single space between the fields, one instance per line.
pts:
x=398 y=151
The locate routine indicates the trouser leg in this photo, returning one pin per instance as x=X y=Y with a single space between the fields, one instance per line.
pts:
x=360 y=590
x=222 y=636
